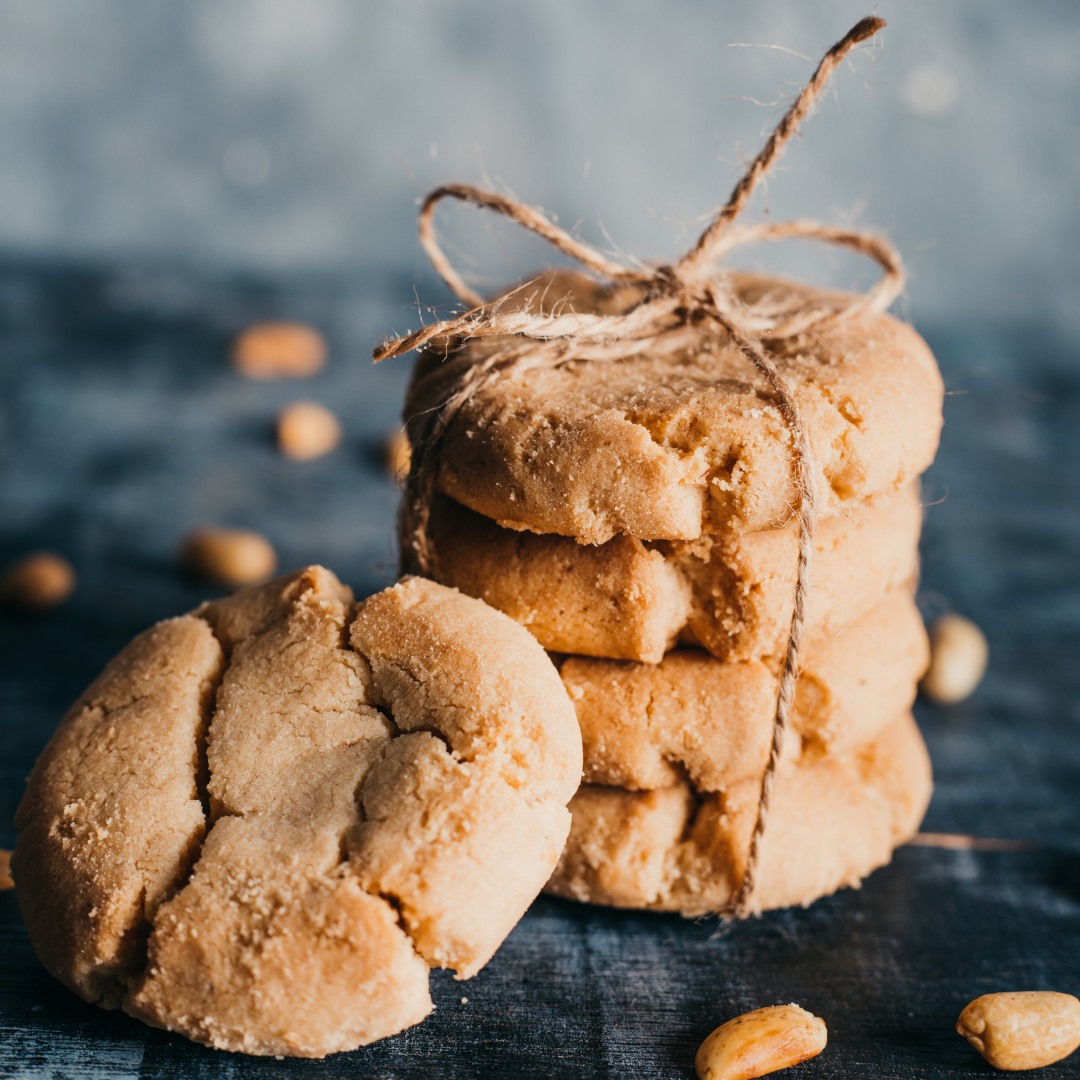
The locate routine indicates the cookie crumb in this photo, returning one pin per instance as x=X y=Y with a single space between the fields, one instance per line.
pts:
x=464 y=1001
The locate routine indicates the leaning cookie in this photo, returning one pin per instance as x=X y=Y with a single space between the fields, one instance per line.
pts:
x=831 y=822
x=646 y=726
x=266 y=820
x=732 y=595
x=684 y=438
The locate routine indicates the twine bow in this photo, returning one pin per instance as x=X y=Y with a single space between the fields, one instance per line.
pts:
x=671 y=307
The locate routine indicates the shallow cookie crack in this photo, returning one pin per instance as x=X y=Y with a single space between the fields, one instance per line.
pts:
x=207 y=709
x=426 y=709
x=202 y=767
x=698 y=799
x=398 y=907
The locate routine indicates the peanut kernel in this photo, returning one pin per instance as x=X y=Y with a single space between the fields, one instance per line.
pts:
x=37 y=582
x=279 y=350
x=958 y=656
x=307 y=430
x=1022 y=1030
x=229 y=556
x=398 y=454
x=761 y=1042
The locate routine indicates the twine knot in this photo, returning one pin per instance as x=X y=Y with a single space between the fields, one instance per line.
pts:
x=667 y=307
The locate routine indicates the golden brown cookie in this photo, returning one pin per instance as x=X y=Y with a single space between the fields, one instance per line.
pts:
x=628 y=600
x=831 y=822
x=674 y=445
x=266 y=820
x=646 y=726
x=112 y=816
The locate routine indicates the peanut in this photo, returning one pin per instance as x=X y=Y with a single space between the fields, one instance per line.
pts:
x=6 y=881
x=279 y=350
x=761 y=1042
x=229 y=556
x=1023 y=1030
x=38 y=582
x=958 y=655
x=307 y=430
x=398 y=454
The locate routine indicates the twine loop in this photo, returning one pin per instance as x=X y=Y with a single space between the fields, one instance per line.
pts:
x=676 y=294
x=669 y=306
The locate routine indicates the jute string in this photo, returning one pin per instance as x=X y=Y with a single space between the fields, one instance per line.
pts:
x=673 y=306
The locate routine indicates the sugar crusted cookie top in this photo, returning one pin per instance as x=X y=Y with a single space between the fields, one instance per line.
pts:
x=248 y=848
x=673 y=446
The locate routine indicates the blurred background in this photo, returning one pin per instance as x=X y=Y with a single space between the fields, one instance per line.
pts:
x=294 y=135
x=172 y=172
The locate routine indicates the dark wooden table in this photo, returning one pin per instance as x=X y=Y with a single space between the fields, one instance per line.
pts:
x=121 y=426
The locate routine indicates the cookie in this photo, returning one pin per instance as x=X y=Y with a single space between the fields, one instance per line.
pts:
x=831 y=822
x=680 y=444
x=628 y=600
x=267 y=819
x=646 y=726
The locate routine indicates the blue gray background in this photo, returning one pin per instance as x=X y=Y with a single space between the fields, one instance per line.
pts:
x=296 y=134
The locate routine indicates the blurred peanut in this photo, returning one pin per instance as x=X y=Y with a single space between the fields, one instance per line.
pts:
x=958 y=655
x=279 y=350
x=229 y=556
x=37 y=582
x=761 y=1042
x=1024 y=1030
x=6 y=881
x=307 y=430
x=398 y=454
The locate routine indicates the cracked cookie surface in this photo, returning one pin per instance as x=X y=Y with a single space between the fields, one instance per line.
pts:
x=647 y=726
x=267 y=819
x=673 y=446
x=732 y=595
x=831 y=822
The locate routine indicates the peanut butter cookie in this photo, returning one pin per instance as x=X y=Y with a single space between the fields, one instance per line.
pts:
x=267 y=819
x=646 y=726
x=732 y=595
x=674 y=445
x=831 y=822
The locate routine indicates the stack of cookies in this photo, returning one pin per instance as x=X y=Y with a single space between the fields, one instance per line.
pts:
x=637 y=517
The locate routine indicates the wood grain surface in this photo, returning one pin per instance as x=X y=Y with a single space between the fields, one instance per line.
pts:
x=121 y=426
